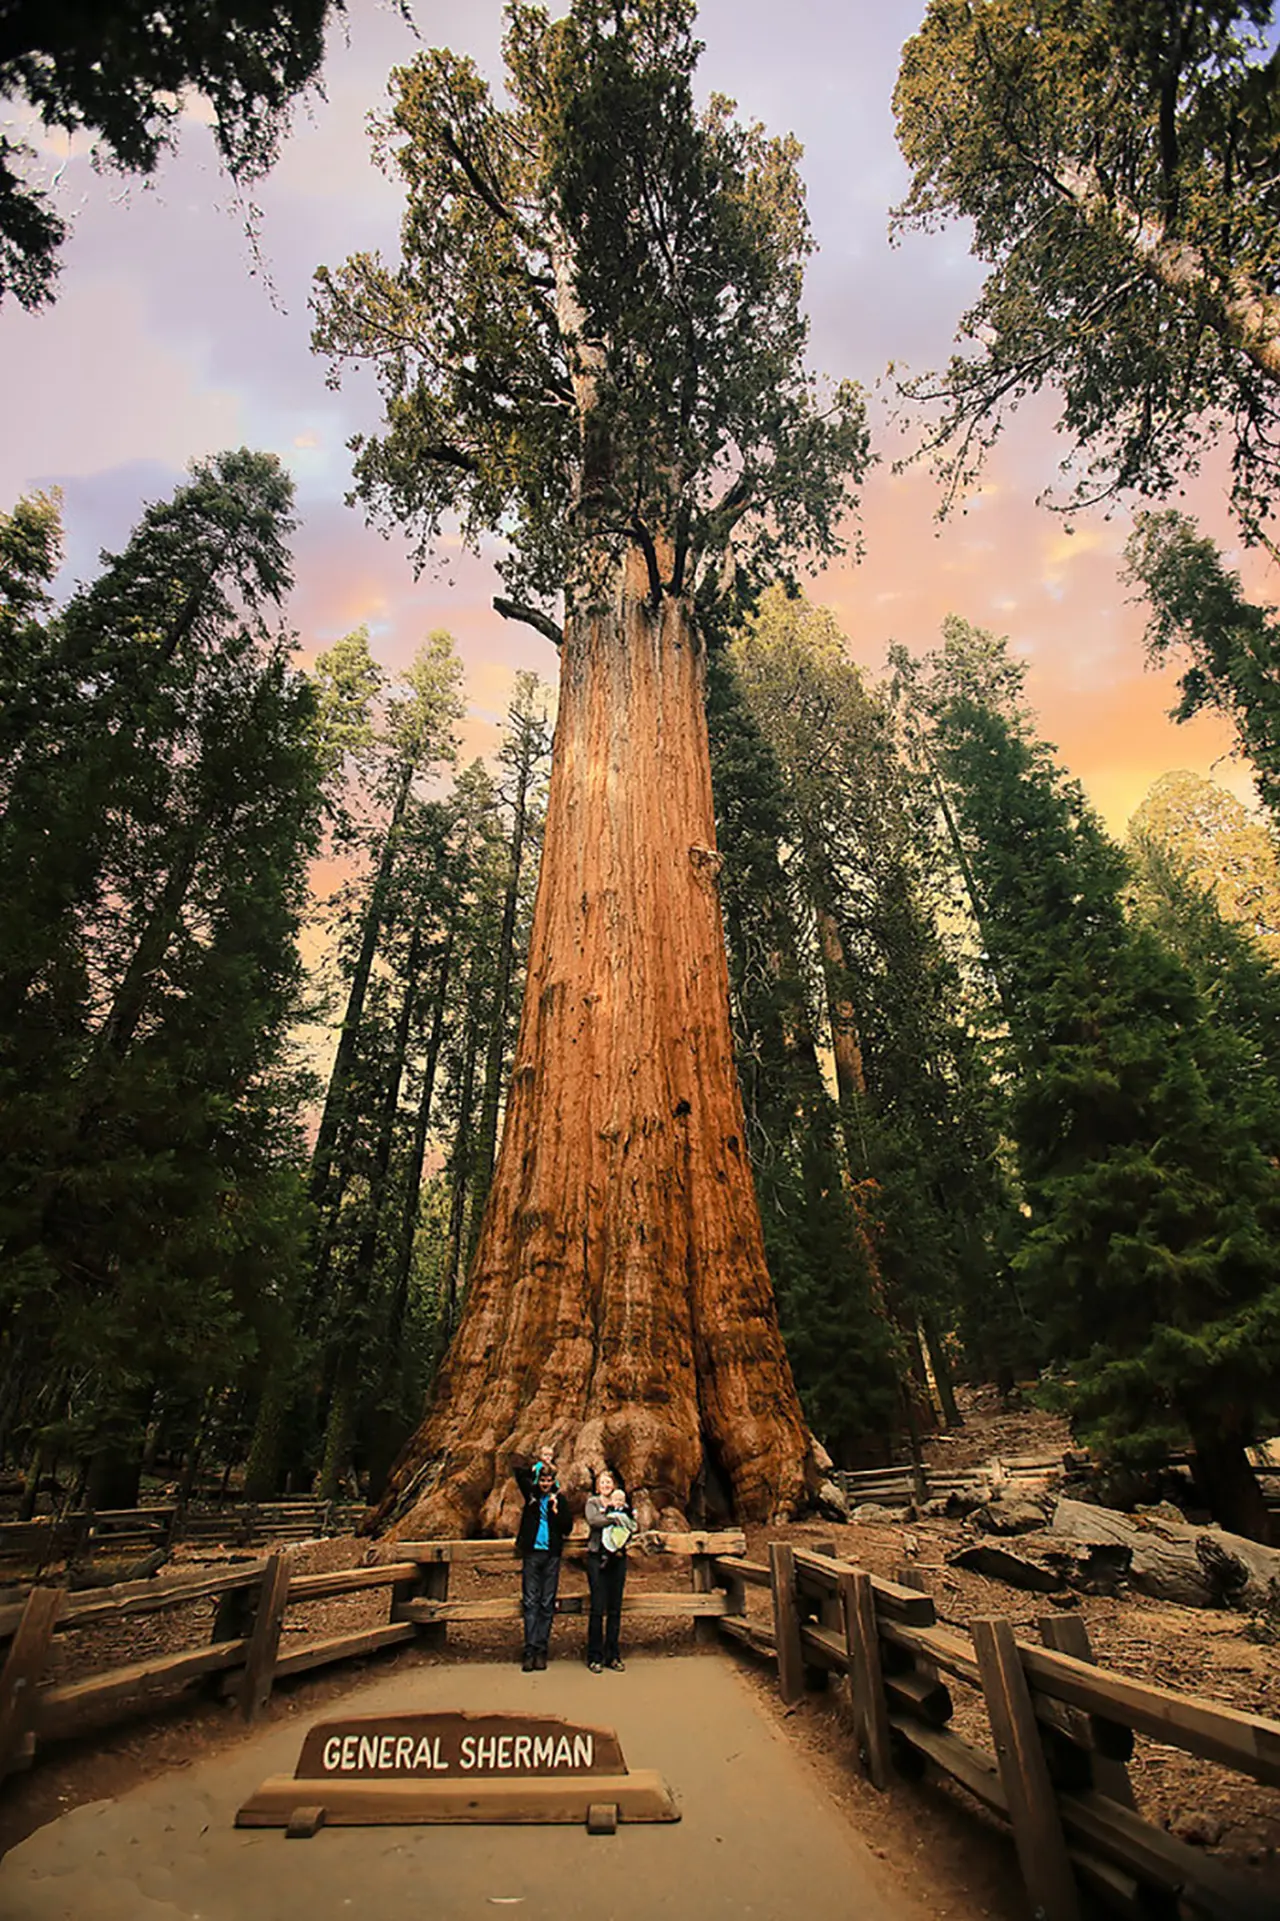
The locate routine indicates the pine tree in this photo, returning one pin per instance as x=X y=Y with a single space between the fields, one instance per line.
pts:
x=149 y=1199
x=1153 y=1201
x=819 y=1242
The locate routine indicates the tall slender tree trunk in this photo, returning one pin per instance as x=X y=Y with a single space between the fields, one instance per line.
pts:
x=340 y=1423
x=461 y=1161
x=412 y=1195
x=942 y=1375
x=619 y=1305
x=486 y=1144
x=1228 y=1482
x=335 y=1102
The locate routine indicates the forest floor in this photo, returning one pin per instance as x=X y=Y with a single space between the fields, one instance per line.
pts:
x=944 y=1852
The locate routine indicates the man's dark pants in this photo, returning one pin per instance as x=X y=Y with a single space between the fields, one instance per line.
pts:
x=540 y=1579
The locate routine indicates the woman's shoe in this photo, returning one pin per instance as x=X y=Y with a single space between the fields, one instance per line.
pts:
x=619 y=1667
x=596 y=1667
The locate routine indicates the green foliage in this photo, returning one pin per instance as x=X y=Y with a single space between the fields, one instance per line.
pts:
x=122 y=70
x=1118 y=163
x=157 y=827
x=862 y=872
x=1198 y=609
x=1143 y=1125
x=594 y=335
x=1202 y=829
x=820 y=1250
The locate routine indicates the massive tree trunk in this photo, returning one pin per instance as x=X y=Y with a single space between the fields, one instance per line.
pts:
x=619 y=1306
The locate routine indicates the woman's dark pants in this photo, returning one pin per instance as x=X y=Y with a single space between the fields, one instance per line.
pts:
x=540 y=1577
x=606 y=1576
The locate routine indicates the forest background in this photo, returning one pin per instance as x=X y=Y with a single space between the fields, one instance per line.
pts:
x=174 y=336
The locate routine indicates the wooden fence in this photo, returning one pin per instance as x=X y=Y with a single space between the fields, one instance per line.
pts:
x=244 y=1655
x=81 y=1536
x=1062 y=1730
x=1026 y=1473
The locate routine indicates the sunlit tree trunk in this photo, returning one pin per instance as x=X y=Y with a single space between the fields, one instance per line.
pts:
x=619 y=1305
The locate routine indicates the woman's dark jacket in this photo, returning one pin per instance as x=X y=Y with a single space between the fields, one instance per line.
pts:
x=559 y=1519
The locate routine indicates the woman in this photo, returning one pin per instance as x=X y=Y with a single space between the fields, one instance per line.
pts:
x=611 y=1524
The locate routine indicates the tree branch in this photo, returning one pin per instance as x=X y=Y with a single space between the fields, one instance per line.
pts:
x=1246 y=314
x=641 y=533
x=531 y=616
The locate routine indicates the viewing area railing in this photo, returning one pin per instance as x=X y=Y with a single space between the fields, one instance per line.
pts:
x=1024 y=1473
x=1062 y=1730
x=246 y=1653
x=83 y=1535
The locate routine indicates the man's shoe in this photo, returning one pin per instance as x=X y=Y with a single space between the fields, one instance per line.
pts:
x=540 y=1658
x=619 y=1667
x=530 y=1661
x=596 y=1667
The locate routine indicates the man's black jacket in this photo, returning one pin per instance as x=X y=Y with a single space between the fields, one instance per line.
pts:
x=559 y=1519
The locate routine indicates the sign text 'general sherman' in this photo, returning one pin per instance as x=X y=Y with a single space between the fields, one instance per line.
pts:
x=408 y=1746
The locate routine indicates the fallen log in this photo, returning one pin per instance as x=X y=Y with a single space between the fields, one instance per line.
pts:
x=1173 y=1560
x=1002 y=1564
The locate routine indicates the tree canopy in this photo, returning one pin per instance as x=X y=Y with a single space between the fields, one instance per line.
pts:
x=594 y=333
x=1118 y=163
x=122 y=71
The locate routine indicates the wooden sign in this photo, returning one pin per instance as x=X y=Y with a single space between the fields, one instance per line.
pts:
x=457 y=1766
x=412 y=1746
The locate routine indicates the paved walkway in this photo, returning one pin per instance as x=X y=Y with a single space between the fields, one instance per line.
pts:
x=759 y=1840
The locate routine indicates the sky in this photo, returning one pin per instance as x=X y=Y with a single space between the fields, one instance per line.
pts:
x=174 y=337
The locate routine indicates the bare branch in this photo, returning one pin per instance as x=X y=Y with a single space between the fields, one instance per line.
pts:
x=531 y=616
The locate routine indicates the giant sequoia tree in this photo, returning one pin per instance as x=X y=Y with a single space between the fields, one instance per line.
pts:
x=593 y=345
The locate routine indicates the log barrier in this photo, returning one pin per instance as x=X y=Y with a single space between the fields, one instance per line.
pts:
x=1062 y=1730
x=83 y=1535
x=244 y=1656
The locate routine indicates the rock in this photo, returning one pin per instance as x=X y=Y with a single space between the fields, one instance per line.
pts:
x=832 y=1501
x=1002 y=1564
x=1163 y=1511
x=1175 y=1560
x=953 y=1506
x=1200 y=1830
x=1011 y=1514
x=874 y=1515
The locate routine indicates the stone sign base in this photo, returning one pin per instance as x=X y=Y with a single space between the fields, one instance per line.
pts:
x=420 y=1768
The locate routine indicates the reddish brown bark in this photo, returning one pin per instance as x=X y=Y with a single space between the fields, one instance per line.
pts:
x=619 y=1304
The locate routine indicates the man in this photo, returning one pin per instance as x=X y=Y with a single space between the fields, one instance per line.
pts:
x=540 y=1538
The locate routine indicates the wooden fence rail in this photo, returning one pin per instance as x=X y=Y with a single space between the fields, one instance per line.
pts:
x=1062 y=1731
x=244 y=1656
x=902 y=1483
x=81 y=1536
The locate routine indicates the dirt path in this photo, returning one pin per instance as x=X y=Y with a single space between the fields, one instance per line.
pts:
x=761 y=1838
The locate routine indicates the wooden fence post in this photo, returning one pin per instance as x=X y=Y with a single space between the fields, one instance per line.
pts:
x=433 y=1585
x=20 y=1677
x=866 y=1681
x=786 y=1621
x=907 y=1574
x=1067 y=1634
x=264 y=1641
x=1024 y=1773
x=704 y=1626
x=735 y=1589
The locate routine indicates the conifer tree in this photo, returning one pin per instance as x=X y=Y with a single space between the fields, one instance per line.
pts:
x=1150 y=1243
x=148 y=1205
x=597 y=352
